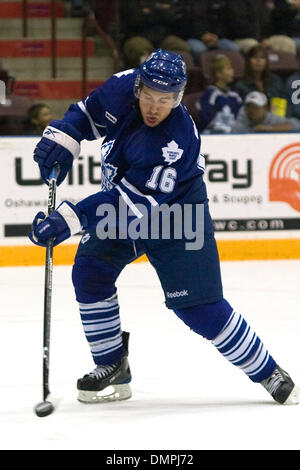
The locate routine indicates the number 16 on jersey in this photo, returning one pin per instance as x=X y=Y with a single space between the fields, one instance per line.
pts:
x=165 y=178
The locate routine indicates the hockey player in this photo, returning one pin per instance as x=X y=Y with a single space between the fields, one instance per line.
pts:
x=150 y=158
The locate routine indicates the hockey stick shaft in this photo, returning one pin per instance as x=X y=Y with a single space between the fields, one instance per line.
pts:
x=48 y=287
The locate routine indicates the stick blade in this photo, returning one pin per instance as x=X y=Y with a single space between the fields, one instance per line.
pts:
x=46 y=407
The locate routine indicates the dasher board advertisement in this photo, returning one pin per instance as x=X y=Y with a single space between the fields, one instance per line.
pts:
x=23 y=193
x=253 y=182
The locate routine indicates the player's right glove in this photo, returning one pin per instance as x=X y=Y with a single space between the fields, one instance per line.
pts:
x=60 y=144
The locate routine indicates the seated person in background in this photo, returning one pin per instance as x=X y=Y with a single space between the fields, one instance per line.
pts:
x=146 y=25
x=257 y=77
x=38 y=117
x=13 y=108
x=205 y=26
x=248 y=22
x=286 y=23
x=77 y=8
x=251 y=22
x=219 y=104
x=255 y=116
x=293 y=92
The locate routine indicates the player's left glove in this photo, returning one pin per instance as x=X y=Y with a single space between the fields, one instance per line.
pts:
x=65 y=221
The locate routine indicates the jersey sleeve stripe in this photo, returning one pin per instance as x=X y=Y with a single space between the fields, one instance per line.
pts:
x=94 y=129
x=135 y=190
x=129 y=202
x=70 y=217
x=201 y=162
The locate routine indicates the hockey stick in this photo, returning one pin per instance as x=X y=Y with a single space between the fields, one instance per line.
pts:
x=47 y=405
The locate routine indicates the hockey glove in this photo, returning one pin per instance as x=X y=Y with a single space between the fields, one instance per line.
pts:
x=65 y=221
x=60 y=144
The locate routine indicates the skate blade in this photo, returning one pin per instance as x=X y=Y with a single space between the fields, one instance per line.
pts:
x=109 y=394
x=293 y=398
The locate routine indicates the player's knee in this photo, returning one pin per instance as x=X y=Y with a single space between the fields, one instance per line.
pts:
x=93 y=279
x=206 y=319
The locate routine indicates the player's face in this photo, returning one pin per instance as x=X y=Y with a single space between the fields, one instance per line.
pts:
x=155 y=106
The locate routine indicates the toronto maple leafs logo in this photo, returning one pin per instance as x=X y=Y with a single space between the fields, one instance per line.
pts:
x=106 y=148
x=107 y=175
x=171 y=152
x=108 y=171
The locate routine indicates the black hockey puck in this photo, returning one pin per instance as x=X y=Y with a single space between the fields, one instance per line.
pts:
x=44 y=408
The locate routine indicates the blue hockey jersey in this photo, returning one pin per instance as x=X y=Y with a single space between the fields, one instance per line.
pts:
x=142 y=164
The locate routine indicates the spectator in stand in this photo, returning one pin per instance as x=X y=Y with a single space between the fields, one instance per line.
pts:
x=285 y=20
x=255 y=116
x=248 y=22
x=293 y=92
x=258 y=77
x=38 y=117
x=13 y=108
x=219 y=105
x=146 y=25
x=204 y=25
x=107 y=15
x=77 y=8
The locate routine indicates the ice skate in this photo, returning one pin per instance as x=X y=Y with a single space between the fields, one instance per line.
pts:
x=281 y=387
x=107 y=383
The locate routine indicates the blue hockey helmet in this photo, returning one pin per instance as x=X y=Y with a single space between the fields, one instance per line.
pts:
x=163 y=71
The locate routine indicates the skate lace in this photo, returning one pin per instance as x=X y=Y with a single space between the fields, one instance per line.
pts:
x=102 y=371
x=273 y=382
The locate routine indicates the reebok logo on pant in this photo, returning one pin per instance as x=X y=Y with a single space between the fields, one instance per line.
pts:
x=181 y=293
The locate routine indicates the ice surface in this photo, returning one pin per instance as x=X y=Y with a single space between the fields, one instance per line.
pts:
x=185 y=394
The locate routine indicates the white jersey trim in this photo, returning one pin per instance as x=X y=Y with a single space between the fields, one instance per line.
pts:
x=129 y=203
x=85 y=111
x=201 y=162
x=70 y=218
x=135 y=190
